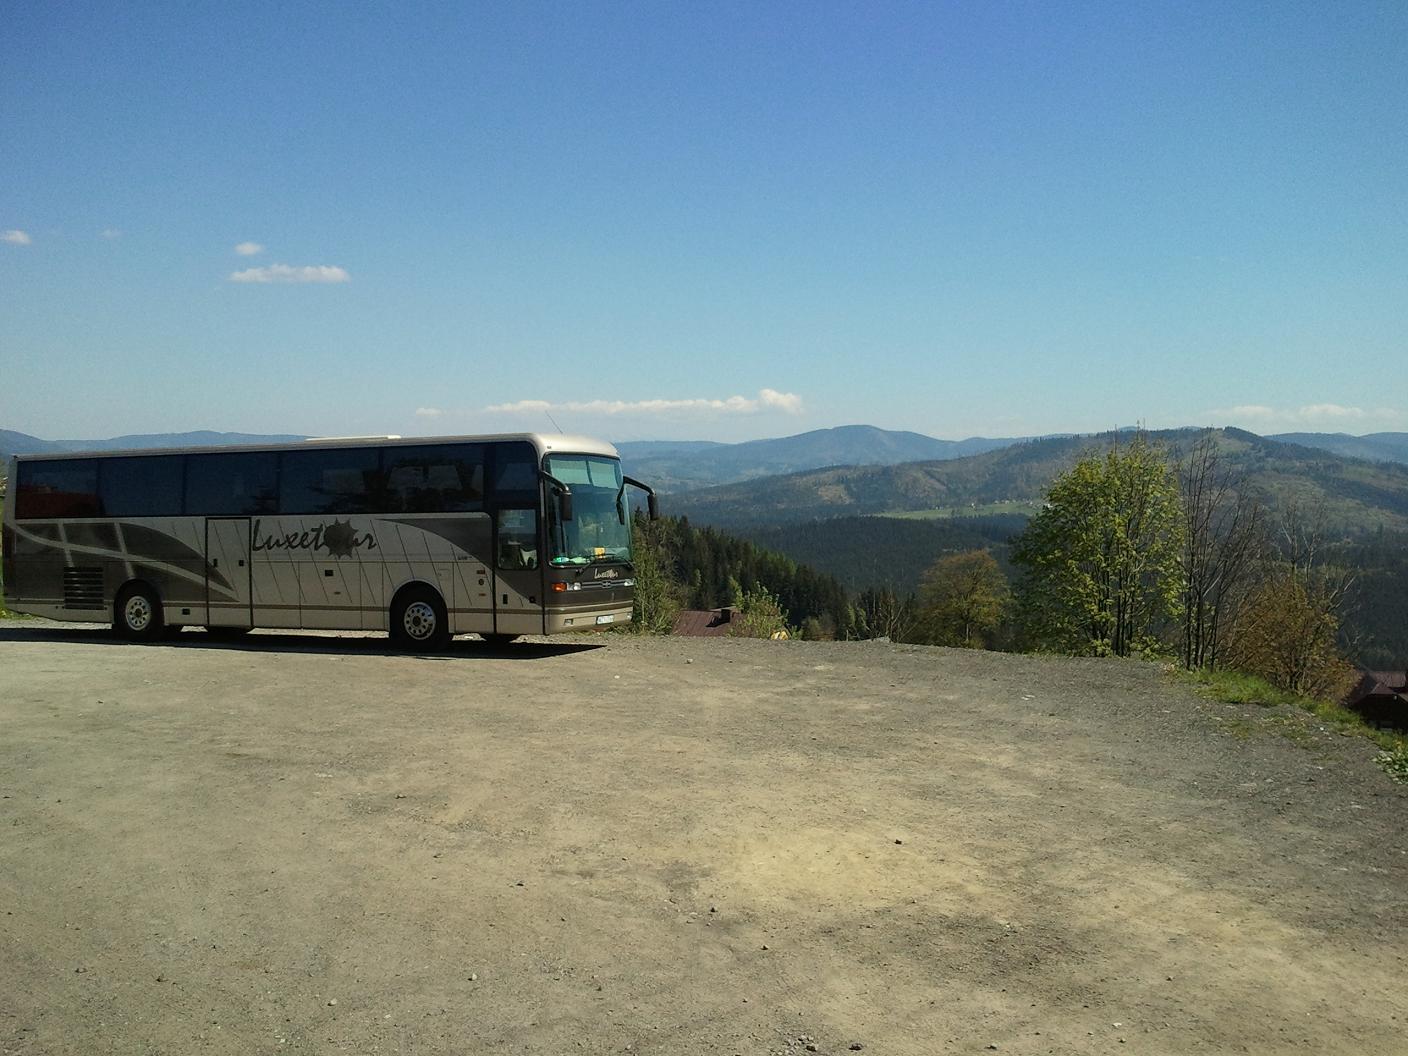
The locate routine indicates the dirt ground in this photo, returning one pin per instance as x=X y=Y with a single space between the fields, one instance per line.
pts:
x=304 y=843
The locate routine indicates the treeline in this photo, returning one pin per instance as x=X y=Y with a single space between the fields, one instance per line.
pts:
x=887 y=552
x=1375 y=630
x=682 y=566
x=1134 y=552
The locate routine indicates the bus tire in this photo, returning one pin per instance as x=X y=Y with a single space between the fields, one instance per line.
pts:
x=498 y=641
x=419 y=620
x=136 y=614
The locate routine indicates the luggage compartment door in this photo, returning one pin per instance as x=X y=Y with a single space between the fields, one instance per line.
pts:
x=227 y=572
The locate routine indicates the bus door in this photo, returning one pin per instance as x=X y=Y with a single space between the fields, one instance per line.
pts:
x=227 y=572
x=518 y=572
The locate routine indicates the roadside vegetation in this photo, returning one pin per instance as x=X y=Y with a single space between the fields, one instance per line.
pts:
x=1237 y=687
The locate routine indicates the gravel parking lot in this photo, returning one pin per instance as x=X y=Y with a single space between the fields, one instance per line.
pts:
x=306 y=843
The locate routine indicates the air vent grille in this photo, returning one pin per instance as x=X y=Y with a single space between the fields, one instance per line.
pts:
x=83 y=588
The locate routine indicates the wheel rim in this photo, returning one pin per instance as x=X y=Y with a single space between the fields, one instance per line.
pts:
x=137 y=612
x=419 y=620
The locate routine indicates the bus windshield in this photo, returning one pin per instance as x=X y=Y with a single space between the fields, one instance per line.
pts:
x=600 y=529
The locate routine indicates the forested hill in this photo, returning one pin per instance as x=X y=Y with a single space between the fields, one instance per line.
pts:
x=868 y=552
x=1355 y=493
x=1375 y=447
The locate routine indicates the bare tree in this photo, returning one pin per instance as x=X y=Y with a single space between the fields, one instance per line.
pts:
x=1222 y=544
x=1301 y=538
x=885 y=614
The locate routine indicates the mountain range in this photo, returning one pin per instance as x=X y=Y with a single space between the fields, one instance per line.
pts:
x=1354 y=492
x=674 y=466
x=684 y=466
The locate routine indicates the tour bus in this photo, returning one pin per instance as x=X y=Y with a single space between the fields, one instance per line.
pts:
x=422 y=538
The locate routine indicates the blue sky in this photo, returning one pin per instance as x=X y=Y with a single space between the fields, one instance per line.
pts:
x=715 y=221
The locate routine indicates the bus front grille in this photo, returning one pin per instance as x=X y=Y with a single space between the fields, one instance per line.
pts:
x=83 y=588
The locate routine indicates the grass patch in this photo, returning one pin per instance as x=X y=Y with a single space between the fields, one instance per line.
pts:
x=1234 y=687
x=1395 y=762
x=1237 y=688
x=1242 y=729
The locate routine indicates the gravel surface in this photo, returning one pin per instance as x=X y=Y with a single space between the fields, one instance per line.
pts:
x=306 y=843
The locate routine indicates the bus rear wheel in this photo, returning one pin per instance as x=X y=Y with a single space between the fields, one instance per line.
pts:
x=419 y=620
x=137 y=614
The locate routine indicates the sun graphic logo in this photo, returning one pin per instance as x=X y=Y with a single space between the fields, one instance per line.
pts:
x=340 y=538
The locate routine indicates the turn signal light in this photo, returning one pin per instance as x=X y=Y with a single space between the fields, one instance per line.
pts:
x=558 y=588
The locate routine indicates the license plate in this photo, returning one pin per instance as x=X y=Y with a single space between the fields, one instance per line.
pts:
x=610 y=617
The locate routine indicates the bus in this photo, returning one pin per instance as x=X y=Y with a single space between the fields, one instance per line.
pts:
x=421 y=538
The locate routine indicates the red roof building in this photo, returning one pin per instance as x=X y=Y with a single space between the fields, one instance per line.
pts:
x=1381 y=697
x=704 y=623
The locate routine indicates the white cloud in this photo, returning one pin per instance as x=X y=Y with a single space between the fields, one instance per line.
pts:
x=249 y=249
x=789 y=402
x=766 y=400
x=110 y=233
x=1248 y=410
x=428 y=412
x=1321 y=412
x=1310 y=414
x=288 y=273
x=16 y=238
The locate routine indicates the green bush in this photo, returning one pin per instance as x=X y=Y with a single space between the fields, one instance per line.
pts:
x=760 y=615
x=1395 y=762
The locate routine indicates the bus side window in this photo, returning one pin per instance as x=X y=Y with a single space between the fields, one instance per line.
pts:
x=333 y=481
x=444 y=478
x=145 y=486
x=57 y=488
x=518 y=539
x=234 y=484
x=515 y=473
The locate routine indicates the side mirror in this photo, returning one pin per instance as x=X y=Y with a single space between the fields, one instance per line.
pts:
x=563 y=493
x=651 y=504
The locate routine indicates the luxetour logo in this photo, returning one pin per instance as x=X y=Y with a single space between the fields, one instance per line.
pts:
x=339 y=539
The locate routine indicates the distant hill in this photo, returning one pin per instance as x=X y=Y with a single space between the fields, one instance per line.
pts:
x=1375 y=447
x=678 y=466
x=199 y=438
x=1356 y=493
x=659 y=448
x=12 y=443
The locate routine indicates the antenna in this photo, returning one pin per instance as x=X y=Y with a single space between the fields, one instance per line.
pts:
x=555 y=426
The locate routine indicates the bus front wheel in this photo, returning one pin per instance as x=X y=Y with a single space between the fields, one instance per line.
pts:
x=137 y=614
x=419 y=620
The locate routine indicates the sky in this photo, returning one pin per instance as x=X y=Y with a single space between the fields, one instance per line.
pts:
x=703 y=221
